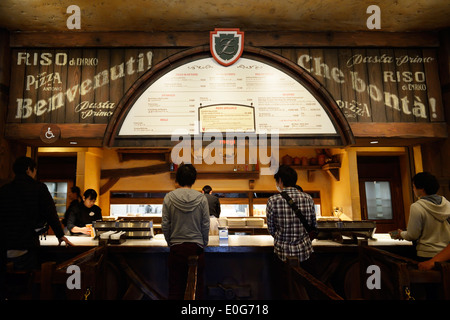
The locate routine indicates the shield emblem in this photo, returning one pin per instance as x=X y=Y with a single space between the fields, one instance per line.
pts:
x=226 y=45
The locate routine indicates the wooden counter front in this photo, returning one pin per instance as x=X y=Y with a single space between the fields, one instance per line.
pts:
x=245 y=266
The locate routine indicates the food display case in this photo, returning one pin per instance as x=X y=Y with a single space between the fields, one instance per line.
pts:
x=242 y=212
x=136 y=204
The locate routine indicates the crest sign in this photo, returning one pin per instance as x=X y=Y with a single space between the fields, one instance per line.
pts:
x=226 y=45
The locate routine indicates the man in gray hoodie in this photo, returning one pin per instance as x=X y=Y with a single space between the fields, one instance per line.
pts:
x=185 y=225
x=429 y=218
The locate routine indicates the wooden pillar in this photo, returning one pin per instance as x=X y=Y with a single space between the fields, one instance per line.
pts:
x=9 y=150
x=88 y=170
x=5 y=152
x=354 y=184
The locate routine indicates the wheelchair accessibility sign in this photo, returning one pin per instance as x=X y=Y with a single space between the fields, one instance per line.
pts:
x=50 y=133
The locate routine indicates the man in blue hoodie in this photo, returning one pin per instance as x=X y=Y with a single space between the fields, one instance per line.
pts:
x=185 y=225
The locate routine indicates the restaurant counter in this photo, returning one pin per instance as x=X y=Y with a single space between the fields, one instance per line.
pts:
x=245 y=265
x=235 y=242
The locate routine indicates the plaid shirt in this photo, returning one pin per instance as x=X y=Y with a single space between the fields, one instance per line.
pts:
x=290 y=237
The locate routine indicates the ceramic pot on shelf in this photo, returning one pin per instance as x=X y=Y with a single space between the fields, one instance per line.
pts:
x=287 y=160
x=305 y=161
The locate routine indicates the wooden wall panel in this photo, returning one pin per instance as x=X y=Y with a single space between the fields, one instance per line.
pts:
x=377 y=85
x=16 y=89
x=436 y=107
x=73 y=99
x=332 y=57
x=86 y=93
x=405 y=96
x=348 y=95
x=360 y=84
x=391 y=87
x=30 y=91
x=58 y=89
x=42 y=84
x=116 y=86
x=101 y=82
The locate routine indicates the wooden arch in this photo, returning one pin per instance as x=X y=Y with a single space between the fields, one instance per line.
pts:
x=344 y=134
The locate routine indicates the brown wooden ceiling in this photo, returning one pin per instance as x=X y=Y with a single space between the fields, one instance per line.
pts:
x=204 y=15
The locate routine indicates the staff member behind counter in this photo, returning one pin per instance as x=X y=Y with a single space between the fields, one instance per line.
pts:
x=84 y=213
x=214 y=210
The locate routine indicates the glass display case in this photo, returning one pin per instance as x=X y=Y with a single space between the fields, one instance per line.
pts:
x=136 y=204
x=243 y=212
x=232 y=204
x=58 y=191
x=259 y=200
x=121 y=210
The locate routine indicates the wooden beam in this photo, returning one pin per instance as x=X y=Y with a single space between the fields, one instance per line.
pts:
x=109 y=184
x=399 y=130
x=133 y=172
x=26 y=131
x=192 y=39
x=30 y=131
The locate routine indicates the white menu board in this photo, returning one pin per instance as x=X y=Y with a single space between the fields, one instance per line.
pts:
x=276 y=100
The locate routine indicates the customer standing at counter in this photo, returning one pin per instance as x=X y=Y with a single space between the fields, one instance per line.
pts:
x=290 y=236
x=442 y=256
x=185 y=225
x=214 y=209
x=26 y=205
x=429 y=218
x=84 y=213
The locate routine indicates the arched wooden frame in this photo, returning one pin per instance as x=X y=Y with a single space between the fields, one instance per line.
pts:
x=344 y=133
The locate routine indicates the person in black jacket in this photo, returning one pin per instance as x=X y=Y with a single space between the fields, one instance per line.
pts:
x=213 y=201
x=25 y=206
x=76 y=198
x=84 y=213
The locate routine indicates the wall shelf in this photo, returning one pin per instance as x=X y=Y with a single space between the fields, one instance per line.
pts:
x=161 y=154
x=332 y=168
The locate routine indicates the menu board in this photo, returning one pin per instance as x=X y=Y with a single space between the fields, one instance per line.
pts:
x=204 y=96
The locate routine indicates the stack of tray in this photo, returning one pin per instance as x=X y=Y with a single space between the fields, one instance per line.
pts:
x=236 y=223
x=136 y=229
x=254 y=222
x=127 y=229
x=346 y=231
